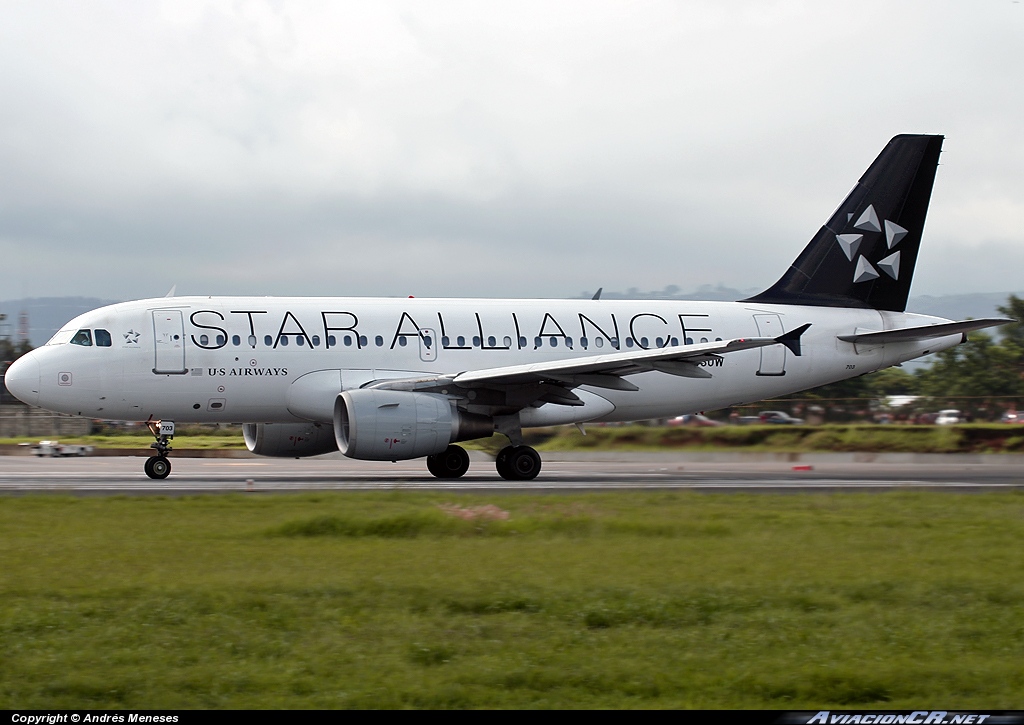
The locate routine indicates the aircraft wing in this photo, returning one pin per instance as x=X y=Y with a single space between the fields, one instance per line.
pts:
x=924 y=332
x=602 y=371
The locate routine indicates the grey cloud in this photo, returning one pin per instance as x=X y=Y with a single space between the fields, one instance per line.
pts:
x=495 y=149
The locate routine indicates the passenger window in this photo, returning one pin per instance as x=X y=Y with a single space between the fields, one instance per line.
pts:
x=507 y=341
x=284 y=340
x=491 y=342
x=629 y=342
x=703 y=339
x=428 y=341
x=268 y=341
x=347 y=339
x=461 y=340
x=402 y=342
x=300 y=340
x=675 y=341
x=316 y=341
x=236 y=340
x=583 y=343
x=378 y=341
x=83 y=338
x=553 y=341
x=643 y=343
x=332 y=341
x=252 y=341
x=204 y=340
x=445 y=341
x=362 y=341
x=568 y=342
x=102 y=338
x=221 y=341
x=476 y=341
x=599 y=341
x=537 y=342
x=522 y=342
x=689 y=341
x=659 y=342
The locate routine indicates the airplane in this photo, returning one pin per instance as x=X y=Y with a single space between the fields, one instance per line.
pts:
x=392 y=379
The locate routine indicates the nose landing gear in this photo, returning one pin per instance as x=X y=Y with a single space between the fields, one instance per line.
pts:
x=159 y=467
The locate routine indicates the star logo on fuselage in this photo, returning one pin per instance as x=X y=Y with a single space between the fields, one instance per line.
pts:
x=131 y=337
x=868 y=224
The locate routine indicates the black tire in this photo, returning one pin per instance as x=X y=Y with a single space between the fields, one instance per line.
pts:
x=158 y=467
x=453 y=462
x=501 y=463
x=525 y=463
x=518 y=463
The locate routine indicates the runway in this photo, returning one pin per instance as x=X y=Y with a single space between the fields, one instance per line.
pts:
x=602 y=472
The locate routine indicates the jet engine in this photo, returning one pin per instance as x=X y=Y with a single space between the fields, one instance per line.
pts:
x=289 y=440
x=390 y=425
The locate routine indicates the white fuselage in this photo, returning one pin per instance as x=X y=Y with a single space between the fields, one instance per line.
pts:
x=277 y=360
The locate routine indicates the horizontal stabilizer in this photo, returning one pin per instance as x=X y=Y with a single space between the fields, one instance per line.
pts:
x=925 y=332
x=792 y=339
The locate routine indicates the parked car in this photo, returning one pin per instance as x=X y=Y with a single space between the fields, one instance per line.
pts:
x=778 y=417
x=1012 y=417
x=949 y=417
x=695 y=419
x=55 y=449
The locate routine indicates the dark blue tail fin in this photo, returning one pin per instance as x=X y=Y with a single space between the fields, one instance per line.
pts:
x=865 y=254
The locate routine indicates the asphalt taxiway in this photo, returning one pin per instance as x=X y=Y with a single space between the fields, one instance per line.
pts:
x=561 y=473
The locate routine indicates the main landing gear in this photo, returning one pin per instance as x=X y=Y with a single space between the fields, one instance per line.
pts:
x=452 y=462
x=514 y=463
x=159 y=466
x=517 y=463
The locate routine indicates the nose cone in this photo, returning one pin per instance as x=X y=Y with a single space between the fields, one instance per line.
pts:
x=22 y=379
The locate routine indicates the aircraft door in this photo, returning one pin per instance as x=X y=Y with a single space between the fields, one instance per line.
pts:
x=169 y=340
x=773 y=357
x=428 y=345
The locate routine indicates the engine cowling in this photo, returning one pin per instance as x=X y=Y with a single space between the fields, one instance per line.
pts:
x=395 y=425
x=289 y=440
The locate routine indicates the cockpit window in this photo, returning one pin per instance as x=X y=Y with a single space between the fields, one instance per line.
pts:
x=102 y=338
x=61 y=338
x=82 y=337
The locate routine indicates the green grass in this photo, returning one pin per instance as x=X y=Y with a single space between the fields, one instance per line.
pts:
x=892 y=601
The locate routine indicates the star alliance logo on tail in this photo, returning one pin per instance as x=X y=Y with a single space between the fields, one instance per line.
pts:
x=851 y=244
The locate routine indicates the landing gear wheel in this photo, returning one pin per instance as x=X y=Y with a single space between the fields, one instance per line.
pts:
x=518 y=463
x=453 y=462
x=158 y=467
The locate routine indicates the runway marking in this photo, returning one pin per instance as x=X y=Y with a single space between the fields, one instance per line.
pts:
x=196 y=476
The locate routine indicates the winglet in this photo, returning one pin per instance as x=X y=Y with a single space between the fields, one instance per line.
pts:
x=597 y=295
x=792 y=339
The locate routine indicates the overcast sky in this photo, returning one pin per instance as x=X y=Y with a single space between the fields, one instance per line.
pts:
x=487 y=148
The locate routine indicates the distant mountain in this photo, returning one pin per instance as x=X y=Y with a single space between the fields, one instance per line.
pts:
x=959 y=307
